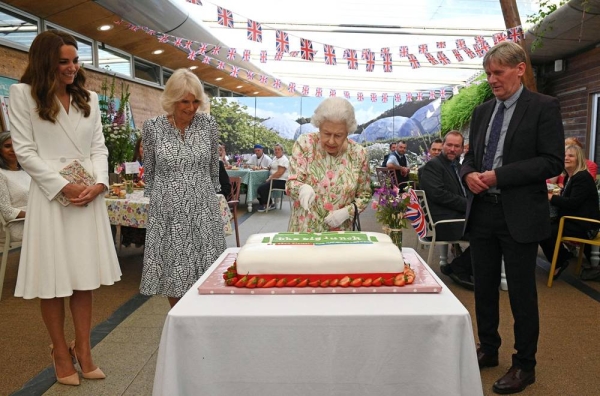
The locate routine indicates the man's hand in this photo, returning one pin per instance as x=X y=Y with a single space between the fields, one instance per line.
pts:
x=474 y=182
x=489 y=178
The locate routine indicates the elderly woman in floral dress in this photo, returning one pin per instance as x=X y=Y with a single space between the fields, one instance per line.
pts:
x=328 y=173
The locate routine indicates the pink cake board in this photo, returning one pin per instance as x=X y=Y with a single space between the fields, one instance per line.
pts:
x=424 y=282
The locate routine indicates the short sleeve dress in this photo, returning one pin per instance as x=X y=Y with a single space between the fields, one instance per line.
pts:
x=184 y=235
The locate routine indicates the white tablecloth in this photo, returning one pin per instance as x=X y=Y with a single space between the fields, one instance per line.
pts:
x=343 y=344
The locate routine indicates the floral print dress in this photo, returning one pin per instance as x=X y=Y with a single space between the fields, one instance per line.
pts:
x=337 y=180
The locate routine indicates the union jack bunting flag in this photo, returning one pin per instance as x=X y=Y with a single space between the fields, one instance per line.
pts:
x=282 y=41
x=409 y=97
x=188 y=45
x=192 y=55
x=234 y=71
x=216 y=49
x=249 y=75
x=403 y=51
x=469 y=52
x=499 y=37
x=387 y=63
x=347 y=94
x=384 y=97
x=440 y=44
x=432 y=94
x=305 y=90
x=419 y=96
x=221 y=65
x=443 y=93
x=319 y=92
x=231 y=53
x=350 y=56
x=478 y=50
x=431 y=58
x=485 y=46
x=224 y=17
x=254 y=31
x=332 y=93
x=373 y=97
x=479 y=39
x=164 y=38
x=384 y=50
x=277 y=83
x=263 y=79
x=149 y=31
x=397 y=97
x=415 y=214
x=460 y=43
x=202 y=49
x=444 y=60
x=414 y=63
x=278 y=56
x=197 y=2
x=178 y=42
x=291 y=87
x=206 y=59
x=263 y=56
x=457 y=55
x=370 y=58
x=246 y=56
x=134 y=28
x=294 y=54
x=423 y=49
x=360 y=97
x=329 y=53
x=306 y=50
x=515 y=34
x=365 y=52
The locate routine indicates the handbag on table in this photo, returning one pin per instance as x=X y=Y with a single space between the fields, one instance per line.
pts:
x=356 y=220
x=74 y=173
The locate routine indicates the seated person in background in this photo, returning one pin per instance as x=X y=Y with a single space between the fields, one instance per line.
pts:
x=223 y=156
x=279 y=170
x=398 y=161
x=14 y=187
x=591 y=165
x=435 y=149
x=385 y=157
x=259 y=160
x=579 y=198
x=224 y=182
x=447 y=199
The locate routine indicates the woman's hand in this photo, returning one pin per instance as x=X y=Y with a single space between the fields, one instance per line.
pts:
x=81 y=195
x=337 y=217
x=306 y=196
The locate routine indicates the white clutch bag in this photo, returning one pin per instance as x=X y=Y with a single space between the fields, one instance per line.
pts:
x=75 y=173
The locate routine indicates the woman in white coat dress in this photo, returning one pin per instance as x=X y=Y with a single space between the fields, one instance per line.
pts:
x=67 y=250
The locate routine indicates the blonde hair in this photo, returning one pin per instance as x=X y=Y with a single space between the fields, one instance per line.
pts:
x=181 y=83
x=506 y=53
x=579 y=158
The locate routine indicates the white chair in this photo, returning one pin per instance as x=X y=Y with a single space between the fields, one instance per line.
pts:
x=7 y=246
x=281 y=193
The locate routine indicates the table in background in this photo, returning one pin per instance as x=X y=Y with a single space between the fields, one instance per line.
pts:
x=342 y=344
x=133 y=212
x=252 y=179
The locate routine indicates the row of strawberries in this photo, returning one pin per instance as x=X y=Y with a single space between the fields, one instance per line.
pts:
x=232 y=279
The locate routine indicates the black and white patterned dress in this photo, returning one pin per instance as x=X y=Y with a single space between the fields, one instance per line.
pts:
x=185 y=230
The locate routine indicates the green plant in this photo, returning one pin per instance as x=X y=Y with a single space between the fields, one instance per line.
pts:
x=547 y=7
x=457 y=111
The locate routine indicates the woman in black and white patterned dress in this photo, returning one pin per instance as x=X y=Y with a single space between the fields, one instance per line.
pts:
x=181 y=166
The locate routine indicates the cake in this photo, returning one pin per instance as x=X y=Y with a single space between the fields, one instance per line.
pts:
x=329 y=259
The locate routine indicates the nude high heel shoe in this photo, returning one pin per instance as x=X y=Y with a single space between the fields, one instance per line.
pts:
x=72 y=379
x=94 y=374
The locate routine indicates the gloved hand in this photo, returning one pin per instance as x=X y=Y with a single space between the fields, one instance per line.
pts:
x=306 y=195
x=337 y=217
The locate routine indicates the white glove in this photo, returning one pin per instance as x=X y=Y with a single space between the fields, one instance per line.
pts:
x=306 y=195
x=337 y=217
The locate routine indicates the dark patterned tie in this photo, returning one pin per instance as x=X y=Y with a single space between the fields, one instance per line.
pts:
x=492 y=146
x=455 y=168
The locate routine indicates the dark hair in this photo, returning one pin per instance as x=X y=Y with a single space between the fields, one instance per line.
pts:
x=455 y=133
x=4 y=136
x=437 y=140
x=391 y=144
x=401 y=142
x=136 y=151
x=44 y=57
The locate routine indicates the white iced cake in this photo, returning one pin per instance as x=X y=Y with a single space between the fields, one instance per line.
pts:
x=328 y=253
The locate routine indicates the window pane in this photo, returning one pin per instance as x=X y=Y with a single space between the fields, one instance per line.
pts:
x=166 y=75
x=113 y=61
x=17 y=29
x=147 y=71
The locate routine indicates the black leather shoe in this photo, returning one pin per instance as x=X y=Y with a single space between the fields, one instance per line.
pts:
x=514 y=381
x=446 y=269
x=485 y=359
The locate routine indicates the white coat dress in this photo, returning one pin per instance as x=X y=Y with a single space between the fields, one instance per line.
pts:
x=64 y=248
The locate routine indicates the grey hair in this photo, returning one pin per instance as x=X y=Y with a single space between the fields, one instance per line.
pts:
x=181 y=83
x=4 y=136
x=280 y=146
x=505 y=53
x=335 y=110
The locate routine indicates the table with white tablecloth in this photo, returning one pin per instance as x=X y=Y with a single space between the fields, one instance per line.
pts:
x=252 y=179
x=317 y=344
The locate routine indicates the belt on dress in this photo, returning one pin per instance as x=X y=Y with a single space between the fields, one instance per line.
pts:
x=490 y=198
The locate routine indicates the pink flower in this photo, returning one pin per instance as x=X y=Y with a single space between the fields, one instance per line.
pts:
x=374 y=205
x=328 y=206
x=324 y=183
x=330 y=174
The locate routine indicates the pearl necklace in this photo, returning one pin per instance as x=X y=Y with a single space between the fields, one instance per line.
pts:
x=181 y=131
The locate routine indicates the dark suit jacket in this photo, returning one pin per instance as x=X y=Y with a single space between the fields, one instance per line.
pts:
x=444 y=195
x=580 y=198
x=533 y=151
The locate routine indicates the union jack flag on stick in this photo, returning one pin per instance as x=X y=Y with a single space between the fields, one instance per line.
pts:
x=415 y=214
x=254 y=31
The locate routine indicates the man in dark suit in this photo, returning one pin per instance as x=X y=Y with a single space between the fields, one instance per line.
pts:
x=446 y=198
x=517 y=142
x=397 y=161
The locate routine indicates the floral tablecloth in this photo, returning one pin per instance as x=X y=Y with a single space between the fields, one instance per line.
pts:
x=133 y=211
x=252 y=179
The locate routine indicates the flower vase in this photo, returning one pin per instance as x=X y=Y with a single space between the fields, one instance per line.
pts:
x=395 y=234
x=129 y=187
